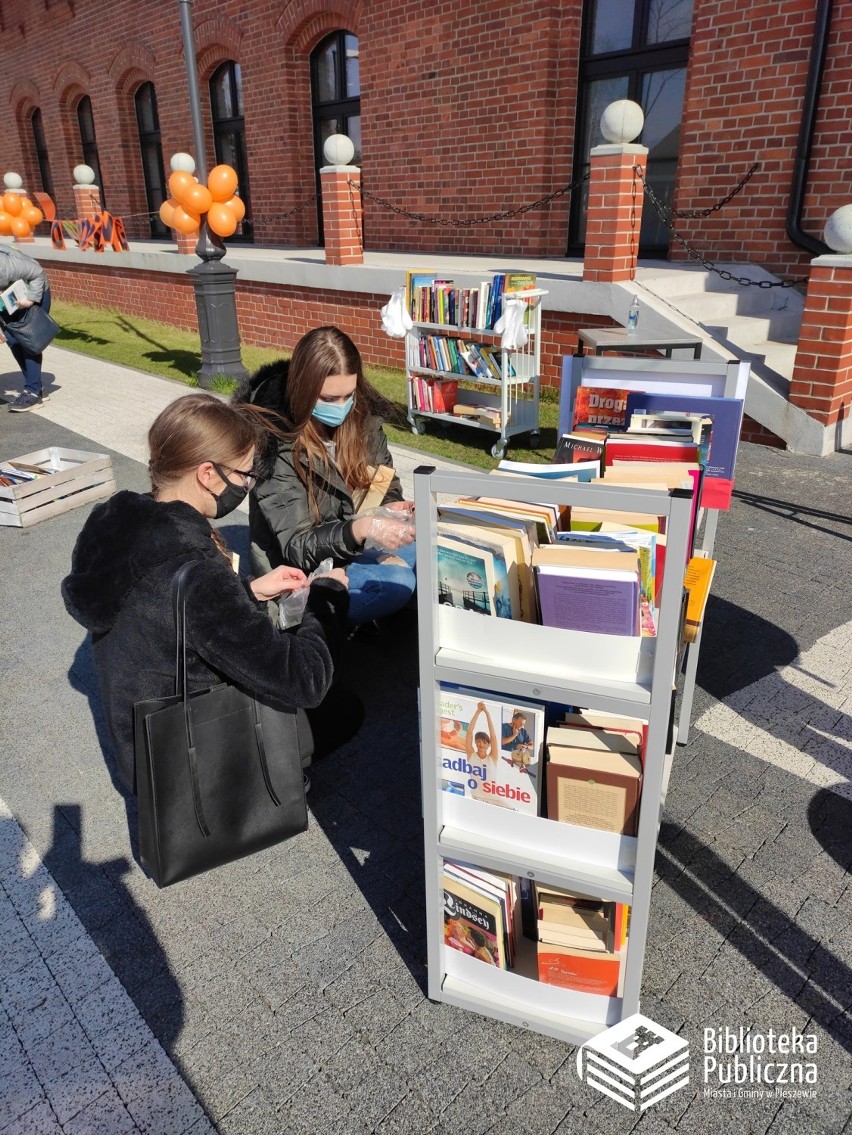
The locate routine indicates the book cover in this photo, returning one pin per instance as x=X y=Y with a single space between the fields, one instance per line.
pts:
x=726 y=415
x=593 y=789
x=648 y=447
x=506 y=597
x=592 y=519
x=492 y=886
x=697 y=581
x=491 y=748
x=571 y=471
x=546 y=516
x=587 y=971
x=473 y=923
x=416 y=283
x=600 y=596
x=10 y=299
x=465 y=577
x=600 y=406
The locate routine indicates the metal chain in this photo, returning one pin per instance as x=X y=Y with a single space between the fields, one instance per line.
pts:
x=693 y=214
x=449 y=222
x=666 y=216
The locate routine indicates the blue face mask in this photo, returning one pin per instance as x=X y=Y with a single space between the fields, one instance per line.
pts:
x=332 y=413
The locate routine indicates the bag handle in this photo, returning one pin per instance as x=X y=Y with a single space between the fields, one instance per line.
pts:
x=179 y=587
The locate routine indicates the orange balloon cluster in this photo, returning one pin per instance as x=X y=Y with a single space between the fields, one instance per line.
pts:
x=190 y=200
x=18 y=215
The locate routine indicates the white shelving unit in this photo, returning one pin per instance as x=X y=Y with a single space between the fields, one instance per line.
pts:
x=515 y=394
x=516 y=659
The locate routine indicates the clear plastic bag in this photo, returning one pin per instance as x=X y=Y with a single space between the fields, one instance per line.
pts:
x=390 y=528
x=291 y=606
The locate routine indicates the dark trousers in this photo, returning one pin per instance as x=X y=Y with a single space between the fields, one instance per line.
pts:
x=30 y=364
x=324 y=729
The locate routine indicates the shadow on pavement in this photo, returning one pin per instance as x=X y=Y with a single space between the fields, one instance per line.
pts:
x=116 y=923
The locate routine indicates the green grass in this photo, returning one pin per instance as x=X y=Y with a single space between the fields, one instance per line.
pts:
x=159 y=348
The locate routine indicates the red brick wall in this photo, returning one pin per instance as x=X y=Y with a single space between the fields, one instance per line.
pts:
x=745 y=86
x=468 y=109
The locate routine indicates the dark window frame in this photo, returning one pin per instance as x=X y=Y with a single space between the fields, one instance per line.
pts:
x=89 y=142
x=634 y=63
x=233 y=127
x=342 y=107
x=150 y=143
x=42 y=156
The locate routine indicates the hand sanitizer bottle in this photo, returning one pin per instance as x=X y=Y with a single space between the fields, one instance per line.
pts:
x=633 y=316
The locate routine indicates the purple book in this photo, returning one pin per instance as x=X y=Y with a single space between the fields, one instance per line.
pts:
x=586 y=599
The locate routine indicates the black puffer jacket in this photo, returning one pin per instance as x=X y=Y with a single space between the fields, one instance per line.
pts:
x=120 y=589
x=283 y=529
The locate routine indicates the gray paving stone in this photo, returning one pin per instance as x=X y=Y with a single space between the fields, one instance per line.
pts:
x=39 y=1120
x=81 y=1085
x=169 y=1109
x=106 y=1115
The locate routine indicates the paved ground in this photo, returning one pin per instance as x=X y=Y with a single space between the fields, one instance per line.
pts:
x=285 y=994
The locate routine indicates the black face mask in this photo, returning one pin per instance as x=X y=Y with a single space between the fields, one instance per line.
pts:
x=231 y=497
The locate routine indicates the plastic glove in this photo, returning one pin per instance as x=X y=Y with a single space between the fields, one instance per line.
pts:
x=511 y=324
x=390 y=529
x=395 y=318
x=291 y=607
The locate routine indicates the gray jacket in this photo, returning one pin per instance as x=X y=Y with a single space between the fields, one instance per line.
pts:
x=15 y=265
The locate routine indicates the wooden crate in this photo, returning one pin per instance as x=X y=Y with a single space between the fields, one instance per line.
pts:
x=72 y=478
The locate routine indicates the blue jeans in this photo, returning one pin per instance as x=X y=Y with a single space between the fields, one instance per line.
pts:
x=375 y=589
x=30 y=364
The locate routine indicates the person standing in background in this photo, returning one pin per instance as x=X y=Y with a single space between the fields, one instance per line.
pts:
x=15 y=265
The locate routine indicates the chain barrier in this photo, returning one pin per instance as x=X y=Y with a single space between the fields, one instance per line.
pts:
x=665 y=214
x=694 y=214
x=451 y=223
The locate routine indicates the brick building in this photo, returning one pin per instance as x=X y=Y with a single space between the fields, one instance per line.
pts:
x=457 y=111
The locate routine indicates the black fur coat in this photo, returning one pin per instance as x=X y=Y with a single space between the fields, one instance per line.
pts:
x=120 y=589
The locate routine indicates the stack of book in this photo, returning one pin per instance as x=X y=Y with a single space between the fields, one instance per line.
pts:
x=434 y=300
x=580 y=941
x=490 y=748
x=482 y=913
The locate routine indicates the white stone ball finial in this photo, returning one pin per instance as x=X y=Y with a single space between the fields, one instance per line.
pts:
x=182 y=161
x=12 y=181
x=838 y=230
x=338 y=150
x=83 y=175
x=622 y=121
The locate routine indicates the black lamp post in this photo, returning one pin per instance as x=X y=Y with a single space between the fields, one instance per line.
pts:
x=212 y=280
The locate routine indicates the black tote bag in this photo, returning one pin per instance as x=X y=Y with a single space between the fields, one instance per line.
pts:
x=218 y=774
x=32 y=328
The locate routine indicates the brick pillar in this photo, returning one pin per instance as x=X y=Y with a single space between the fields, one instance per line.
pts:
x=186 y=242
x=822 y=374
x=341 y=214
x=87 y=202
x=22 y=239
x=614 y=214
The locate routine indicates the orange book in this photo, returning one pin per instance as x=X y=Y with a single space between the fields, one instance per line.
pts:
x=600 y=406
x=587 y=971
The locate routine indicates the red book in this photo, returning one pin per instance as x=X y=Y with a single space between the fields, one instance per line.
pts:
x=636 y=447
x=601 y=406
x=585 y=970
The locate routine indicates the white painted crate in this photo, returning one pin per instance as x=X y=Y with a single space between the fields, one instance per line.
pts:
x=72 y=478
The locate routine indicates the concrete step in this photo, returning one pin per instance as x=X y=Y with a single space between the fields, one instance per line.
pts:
x=753 y=330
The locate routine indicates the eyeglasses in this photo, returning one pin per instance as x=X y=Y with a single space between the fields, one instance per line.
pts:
x=249 y=478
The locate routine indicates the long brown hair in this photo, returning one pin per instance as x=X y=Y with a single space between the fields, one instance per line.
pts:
x=323 y=352
x=198 y=428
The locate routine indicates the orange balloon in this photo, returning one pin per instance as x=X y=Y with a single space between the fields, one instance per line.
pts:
x=12 y=204
x=221 y=220
x=5 y=222
x=25 y=201
x=237 y=207
x=32 y=215
x=167 y=210
x=197 y=199
x=179 y=183
x=20 y=227
x=184 y=221
x=222 y=182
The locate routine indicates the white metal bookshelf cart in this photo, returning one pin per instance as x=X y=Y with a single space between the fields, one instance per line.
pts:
x=537 y=663
x=514 y=395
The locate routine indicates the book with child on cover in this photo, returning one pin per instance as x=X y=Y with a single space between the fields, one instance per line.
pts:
x=490 y=749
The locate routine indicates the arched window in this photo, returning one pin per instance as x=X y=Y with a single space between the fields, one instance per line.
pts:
x=86 y=123
x=229 y=133
x=633 y=49
x=41 y=152
x=152 y=155
x=336 y=97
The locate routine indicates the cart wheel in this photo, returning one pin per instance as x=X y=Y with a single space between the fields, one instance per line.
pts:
x=498 y=450
x=418 y=426
x=535 y=439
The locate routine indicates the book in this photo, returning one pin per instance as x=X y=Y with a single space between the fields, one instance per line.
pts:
x=506 y=596
x=726 y=415
x=587 y=971
x=546 y=516
x=570 y=471
x=593 y=788
x=584 y=518
x=492 y=885
x=473 y=922
x=465 y=576
x=597 y=592
x=580 y=447
x=697 y=581
x=490 y=748
x=375 y=493
x=601 y=406
x=418 y=282
x=623 y=447
x=634 y=728
x=10 y=299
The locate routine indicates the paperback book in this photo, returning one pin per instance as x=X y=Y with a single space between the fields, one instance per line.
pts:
x=490 y=749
